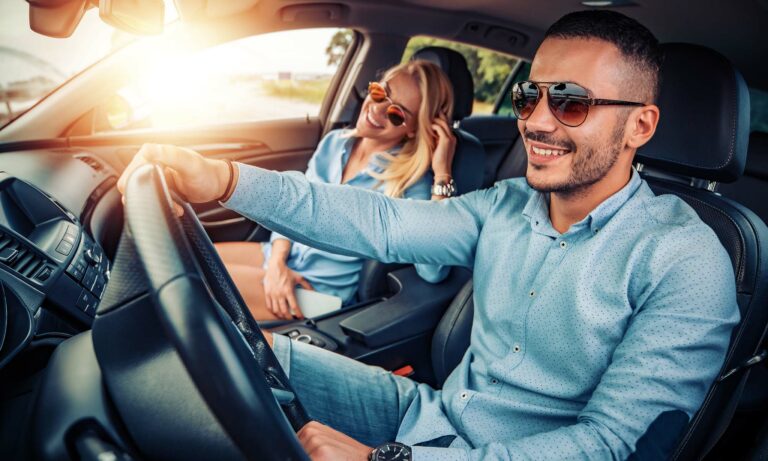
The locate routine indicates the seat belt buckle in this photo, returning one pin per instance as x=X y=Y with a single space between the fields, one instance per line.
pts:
x=404 y=371
x=754 y=360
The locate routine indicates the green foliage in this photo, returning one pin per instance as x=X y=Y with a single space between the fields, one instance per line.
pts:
x=489 y=69
x=338 y=46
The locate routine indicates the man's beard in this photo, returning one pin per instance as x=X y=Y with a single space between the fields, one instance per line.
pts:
x=589 y=165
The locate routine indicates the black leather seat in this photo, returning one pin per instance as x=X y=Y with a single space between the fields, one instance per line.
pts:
x=499 y=135
x=468 y=160
x=701 y=139
x=751 y=188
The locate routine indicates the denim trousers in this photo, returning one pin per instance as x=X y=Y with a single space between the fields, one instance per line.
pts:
x=367 y=403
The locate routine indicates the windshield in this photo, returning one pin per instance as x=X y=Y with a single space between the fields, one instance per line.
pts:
x=33 y=65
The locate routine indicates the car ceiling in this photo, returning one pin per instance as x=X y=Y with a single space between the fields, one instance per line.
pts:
x=728 y=27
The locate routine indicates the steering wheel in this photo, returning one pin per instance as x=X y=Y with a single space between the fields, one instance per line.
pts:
x=209 y=324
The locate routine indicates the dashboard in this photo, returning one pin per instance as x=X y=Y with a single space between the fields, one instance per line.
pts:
x=60 y=218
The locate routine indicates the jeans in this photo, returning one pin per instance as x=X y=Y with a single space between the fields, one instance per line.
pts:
x=367 y=403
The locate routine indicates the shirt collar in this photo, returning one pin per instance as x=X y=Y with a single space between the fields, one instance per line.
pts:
x=605 y=211
x=537 y=209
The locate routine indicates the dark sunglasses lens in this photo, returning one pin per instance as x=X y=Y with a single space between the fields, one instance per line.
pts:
x=569 y=103
x=377 y=92
x=525 y=96
x=395 y=115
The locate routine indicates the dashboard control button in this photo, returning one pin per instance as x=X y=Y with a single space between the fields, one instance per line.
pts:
x=90 y=277
x=64 y=248
x=98 y=287
x=92 y=257
x=69 y=239
x=86 y=301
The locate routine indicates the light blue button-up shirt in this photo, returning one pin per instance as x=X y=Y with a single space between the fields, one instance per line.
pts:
x=591 y=344
x=333 y=273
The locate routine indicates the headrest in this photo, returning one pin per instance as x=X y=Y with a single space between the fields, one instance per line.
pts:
x=704 y=122
x=455 y=67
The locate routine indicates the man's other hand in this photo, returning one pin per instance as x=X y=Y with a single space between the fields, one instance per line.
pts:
x=325 y=444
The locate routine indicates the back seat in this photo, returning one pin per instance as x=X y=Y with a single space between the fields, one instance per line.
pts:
x=498 y=134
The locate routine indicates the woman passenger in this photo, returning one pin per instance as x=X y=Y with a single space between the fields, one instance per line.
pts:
x=401 y=143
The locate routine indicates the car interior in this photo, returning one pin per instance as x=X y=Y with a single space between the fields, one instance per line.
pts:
x=121 y=331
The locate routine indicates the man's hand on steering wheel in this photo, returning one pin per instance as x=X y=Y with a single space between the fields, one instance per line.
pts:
x=198 y=178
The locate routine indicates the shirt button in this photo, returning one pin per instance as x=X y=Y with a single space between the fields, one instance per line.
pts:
x=532 y=293
x=464 y=396
x=516 y=348
x=563 y=245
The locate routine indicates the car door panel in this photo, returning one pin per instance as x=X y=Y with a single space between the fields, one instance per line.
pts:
x=276 y=145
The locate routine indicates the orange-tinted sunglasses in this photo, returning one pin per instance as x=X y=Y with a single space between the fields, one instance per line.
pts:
x=395 y=113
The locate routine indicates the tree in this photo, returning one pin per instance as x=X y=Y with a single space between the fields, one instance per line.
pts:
x=338 y=46
x=489 y=69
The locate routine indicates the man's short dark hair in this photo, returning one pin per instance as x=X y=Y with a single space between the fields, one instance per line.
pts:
x=637 y=44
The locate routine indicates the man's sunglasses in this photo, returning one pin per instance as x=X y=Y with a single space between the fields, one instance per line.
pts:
x=568 y=102
x=395 y=113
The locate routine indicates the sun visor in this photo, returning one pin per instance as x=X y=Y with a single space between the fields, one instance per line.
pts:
x=56 y=18
x=201 y=9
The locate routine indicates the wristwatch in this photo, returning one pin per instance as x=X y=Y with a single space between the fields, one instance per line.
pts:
x=391 y=451
x=444 y=189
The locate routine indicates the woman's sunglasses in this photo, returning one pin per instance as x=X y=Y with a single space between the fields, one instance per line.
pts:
x=568 y=102
x=395 y=113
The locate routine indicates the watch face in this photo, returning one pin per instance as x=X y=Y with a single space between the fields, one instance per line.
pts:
x=392 y=452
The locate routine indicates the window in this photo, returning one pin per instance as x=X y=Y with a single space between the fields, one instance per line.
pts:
x=33 y=65
x=271 y=76
x=489 y=69
x=505 y=107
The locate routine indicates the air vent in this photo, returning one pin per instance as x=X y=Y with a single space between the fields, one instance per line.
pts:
x=19 y=257
x=90 y=161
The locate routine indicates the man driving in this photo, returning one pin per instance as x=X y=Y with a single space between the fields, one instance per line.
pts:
x=602 y=312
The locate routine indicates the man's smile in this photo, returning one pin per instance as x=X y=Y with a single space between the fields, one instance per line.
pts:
x=544 y=153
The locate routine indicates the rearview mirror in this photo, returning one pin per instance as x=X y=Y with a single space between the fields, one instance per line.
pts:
x=59 y=18
x=56 y=18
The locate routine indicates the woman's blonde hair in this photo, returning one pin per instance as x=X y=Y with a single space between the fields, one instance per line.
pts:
x=414 y=158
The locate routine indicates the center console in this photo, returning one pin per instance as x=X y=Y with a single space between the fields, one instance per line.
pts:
x=385 y=331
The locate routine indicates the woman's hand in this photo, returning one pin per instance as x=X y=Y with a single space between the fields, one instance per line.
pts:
x=442 y=157
x=199 y=179
x=279 y=289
